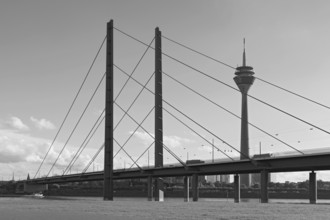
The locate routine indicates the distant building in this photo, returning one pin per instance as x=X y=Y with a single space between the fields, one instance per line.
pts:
x=225 y=178
x=255 y=178
x=212 y=179
x=218 y=178
x=272 y=178
x=174 y=180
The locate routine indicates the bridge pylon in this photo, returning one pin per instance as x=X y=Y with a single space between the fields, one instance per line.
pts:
x=108 y=142
x=158 y=111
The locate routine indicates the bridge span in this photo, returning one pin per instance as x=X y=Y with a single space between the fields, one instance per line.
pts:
x=293 y=163
x=237 y=166
x=310 y=162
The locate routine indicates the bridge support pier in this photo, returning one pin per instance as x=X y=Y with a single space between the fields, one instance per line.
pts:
x=312 y=188
x=159 y=189
x=237 y=192
x=149 y=185
x=195 y=187
x=264 y=186
x=186 y=188
x=34 y=188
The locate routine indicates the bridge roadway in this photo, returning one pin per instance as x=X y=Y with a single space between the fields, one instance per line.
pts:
x=309 y=162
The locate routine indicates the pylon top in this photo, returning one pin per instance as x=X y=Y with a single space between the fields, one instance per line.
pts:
x=244 y=70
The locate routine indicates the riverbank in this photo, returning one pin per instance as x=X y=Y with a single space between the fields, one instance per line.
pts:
x=11 y=195
x=203 y=193
x=96 y=208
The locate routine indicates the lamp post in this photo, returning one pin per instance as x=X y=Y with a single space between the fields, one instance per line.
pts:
x=187 y=153
x=212 y=150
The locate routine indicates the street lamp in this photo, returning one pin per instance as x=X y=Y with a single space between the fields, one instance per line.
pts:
x=187 y=153
x=212 y=150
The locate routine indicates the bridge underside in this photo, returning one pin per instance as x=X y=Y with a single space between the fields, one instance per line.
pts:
x=279 y=164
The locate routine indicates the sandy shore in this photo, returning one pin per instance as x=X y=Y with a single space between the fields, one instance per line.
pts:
x=96 y=208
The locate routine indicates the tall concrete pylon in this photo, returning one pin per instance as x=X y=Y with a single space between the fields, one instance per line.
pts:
x=108 y=137
x=159 y=188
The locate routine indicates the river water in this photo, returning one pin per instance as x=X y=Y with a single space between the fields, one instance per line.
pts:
x=213 y=200
x=78 y=208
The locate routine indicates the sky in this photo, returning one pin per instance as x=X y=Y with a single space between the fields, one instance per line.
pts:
x=47 y=48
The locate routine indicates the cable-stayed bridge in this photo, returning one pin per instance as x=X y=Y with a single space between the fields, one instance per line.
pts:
x=235 y=158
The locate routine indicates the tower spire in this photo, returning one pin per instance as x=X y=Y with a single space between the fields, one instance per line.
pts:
x=244 y=56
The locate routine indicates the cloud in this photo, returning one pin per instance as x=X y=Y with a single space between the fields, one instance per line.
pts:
x=170 y=141
x=18 y=148
x=17 y=124
x=144 y=137
x=42 y=123
x=175 y=141
x=22 y=153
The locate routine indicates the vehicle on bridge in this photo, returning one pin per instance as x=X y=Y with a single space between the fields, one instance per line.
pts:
x=262 y=156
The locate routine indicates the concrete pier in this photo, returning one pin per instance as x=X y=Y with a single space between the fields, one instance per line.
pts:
x=237 y=193
x=186 y=188
x=312 y=187
x=264 y=186
x=194 y=184
x=149 y=180
x=159 y=189
x=34 y=188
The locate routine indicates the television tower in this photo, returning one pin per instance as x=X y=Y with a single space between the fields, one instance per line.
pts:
x=244 y=79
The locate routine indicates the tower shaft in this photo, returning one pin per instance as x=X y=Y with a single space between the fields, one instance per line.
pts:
x=244 y=128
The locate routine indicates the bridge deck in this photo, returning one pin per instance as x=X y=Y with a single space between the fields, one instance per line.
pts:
x=272 y=164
